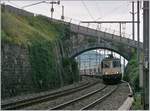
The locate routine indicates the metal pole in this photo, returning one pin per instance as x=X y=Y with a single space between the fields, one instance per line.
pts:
x=123 y=66
x=89 y=62
x=52 y=10
x=111 y=53
x=146 y=53
x=138 y=30
x=139 y=59
x=84 y=67
x=79 y=64
x=62 y=17
x=99 y=61
x=120 y=28
x=138 y=49
x=96 y=60
x=133 y=20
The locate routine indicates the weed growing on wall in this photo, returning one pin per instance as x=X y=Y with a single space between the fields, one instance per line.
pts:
x=42 y=59
x=71 y=71
x=40 y=34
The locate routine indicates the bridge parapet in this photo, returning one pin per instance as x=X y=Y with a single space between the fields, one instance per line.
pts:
x=84 y=39
x=104 y=35
x=88 y=38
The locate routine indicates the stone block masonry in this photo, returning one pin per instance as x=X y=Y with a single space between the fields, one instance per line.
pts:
x=17 y=11
x=16 y=70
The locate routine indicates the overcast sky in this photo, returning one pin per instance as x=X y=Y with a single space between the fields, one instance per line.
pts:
x=87 y=10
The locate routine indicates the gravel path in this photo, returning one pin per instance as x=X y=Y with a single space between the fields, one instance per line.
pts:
x=114 y=101
x=60 y=100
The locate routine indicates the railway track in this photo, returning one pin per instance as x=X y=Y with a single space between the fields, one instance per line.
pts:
x=40 y=99
x=89 y=106
x=103 y=92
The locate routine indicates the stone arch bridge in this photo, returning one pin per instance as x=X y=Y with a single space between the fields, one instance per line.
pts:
x=83 y=39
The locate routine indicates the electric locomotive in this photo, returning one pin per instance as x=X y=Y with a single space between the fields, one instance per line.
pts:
x=111 y=69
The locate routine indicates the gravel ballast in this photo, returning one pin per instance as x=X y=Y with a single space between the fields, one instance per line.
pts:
x=80 y=104
x=33 y=95
x=52 y=103
x=114 y=101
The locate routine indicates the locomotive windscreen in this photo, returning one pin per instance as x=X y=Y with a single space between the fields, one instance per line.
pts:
x=106 y=64
x=116 y=63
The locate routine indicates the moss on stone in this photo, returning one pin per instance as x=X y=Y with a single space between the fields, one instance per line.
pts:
x=39 y=35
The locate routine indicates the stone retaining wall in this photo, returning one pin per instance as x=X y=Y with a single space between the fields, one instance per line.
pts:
x=16 y=70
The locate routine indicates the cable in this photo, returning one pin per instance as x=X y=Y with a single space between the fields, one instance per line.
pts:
x=13 y=4
x=110 y=12
x=87 y=10
x=33 y=4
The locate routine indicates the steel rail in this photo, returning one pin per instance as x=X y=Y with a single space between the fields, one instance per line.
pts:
x=43 y=98
x=77 y=99
x=99 y=100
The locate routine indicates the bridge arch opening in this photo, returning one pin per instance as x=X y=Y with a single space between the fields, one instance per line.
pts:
x=112 y=49
x=89 y=61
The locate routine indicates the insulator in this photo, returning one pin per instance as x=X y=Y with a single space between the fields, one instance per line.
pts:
x=62 y=17
x=52 y=9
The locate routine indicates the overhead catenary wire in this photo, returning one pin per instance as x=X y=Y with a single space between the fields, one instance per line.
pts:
x=112 y=11
x=33 y=4
x=52 y=3
x=13 y=4
x=87 y=10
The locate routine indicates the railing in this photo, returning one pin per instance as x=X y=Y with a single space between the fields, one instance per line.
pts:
x=86 y=27
x=97 y=27
x=93 y=29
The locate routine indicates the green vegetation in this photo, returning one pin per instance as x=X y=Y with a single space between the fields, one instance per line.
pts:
x=41 y=36
x=71 y=69
x=132 y=76
x=137 y=102
x=131 y=73
x=22 y=30
x=42 y=59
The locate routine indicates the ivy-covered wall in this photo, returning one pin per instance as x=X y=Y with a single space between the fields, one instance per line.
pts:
x=34 y=55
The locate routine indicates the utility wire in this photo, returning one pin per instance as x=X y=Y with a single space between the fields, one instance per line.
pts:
x=33 y=4
x=87 y=10
x=112 y=11
x=13 y=4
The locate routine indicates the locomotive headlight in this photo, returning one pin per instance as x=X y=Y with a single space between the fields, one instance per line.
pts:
x=117 y=72
x=106 y=73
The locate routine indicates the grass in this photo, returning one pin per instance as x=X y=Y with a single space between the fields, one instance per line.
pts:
x=20 y=31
